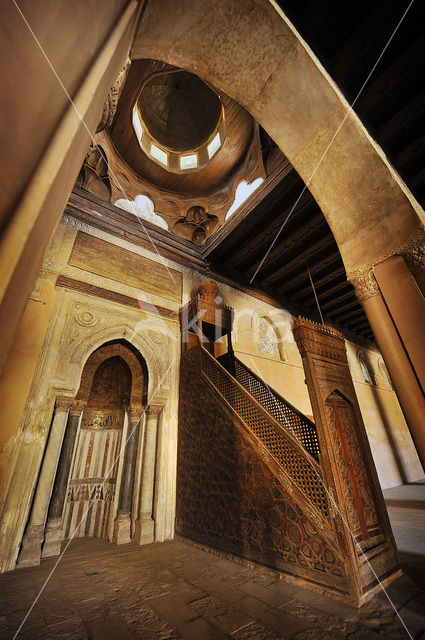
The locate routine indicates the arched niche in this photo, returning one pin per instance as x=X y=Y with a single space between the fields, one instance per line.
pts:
x=111 y=387
x=129 y=355
x=250 y=50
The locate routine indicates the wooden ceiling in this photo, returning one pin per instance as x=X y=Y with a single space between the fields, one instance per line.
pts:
x=239 y=132
x=348 y=38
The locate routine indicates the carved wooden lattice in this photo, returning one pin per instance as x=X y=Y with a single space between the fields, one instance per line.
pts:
x=301 y=427
x=232 y=497
x=301 y=468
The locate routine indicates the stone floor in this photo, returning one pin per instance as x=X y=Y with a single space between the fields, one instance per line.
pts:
x=176 y=590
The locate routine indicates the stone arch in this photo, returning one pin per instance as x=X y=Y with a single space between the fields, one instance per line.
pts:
x=250 y=50
x=137 y=340
x=137 y=366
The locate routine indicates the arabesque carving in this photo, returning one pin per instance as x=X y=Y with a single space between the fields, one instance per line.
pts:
x=352 y=485
x=111 y=103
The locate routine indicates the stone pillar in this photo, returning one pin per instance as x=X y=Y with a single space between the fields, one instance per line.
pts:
x=406 y=305
x=399 y=366
x=122 y=525
x=30 y=554
x=53 y=536
x=144 y=533
x=403 y=377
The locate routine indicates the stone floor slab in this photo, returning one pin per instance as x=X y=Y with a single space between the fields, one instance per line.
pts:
x=173 y=610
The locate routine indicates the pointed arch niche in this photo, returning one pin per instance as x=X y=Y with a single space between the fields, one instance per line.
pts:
x=87 y=347
x=113 y=389
x=94 y=487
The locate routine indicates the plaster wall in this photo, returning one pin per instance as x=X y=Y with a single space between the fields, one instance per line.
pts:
x=393 y=451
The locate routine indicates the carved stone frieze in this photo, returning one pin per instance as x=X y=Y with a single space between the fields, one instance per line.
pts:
x=413 y=251
x=309 y=336
x=111 y=103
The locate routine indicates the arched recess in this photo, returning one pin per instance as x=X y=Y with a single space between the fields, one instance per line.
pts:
x=97 y=462
x=366 y=367
x=249 y=50
x=268 y=336
x=135 y=362
x=58 y=379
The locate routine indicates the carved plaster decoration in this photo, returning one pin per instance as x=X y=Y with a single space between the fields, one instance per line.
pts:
x=125 y=183
x=85 y=317
x=157 y=336
x=93 y=174
x=111 y=103
x=364 y=283
x=197 y=225
x=413 y=251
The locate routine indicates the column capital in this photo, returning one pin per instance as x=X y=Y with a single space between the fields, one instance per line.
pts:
x=63 y=403
x=154 y=409
x=135 y=411
x=77 y=407
x=364 y=283
x=414 y=252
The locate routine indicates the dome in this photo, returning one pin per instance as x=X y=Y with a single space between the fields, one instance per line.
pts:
x=179 y=110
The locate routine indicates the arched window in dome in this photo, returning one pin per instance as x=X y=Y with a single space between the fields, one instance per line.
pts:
x=143 y=208
x=242 y=193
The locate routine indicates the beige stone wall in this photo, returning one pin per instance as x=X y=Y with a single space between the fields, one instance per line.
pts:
x=392 y=447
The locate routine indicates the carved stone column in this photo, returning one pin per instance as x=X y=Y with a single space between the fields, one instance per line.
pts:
x=144 y=533
x=399 y=366
x=122 y=525
x=30 y=554
x=53 y=536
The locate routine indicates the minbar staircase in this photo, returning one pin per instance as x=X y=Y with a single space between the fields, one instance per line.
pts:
x=235 y=456
x=258 y=479
x=278 y=428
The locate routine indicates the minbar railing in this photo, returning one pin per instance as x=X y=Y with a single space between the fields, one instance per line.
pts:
x=281 y=444
x=286 y=414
